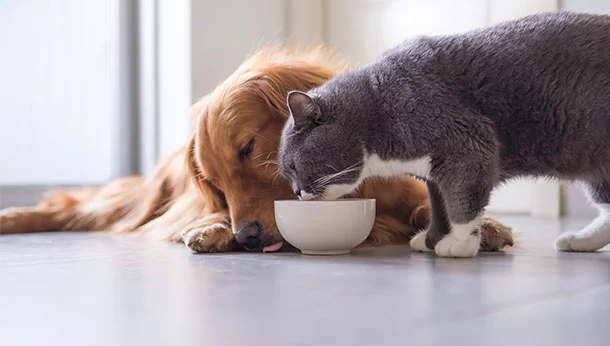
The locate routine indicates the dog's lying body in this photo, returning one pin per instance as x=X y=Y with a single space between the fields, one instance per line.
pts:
x=216 y=193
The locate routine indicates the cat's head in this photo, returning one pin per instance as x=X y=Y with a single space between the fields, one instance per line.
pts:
x=321 y=157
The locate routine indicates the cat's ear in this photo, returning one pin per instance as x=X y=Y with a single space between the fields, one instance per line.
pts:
x=303 y=109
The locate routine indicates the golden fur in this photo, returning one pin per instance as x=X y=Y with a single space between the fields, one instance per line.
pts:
x=203 y=193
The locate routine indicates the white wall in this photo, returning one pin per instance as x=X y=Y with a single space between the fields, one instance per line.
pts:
x=56 y=91
x=174 y=74
x=223 y=32
x=589 y=6
x=363 y=29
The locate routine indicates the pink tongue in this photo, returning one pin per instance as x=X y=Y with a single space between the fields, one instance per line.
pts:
x=273 y=248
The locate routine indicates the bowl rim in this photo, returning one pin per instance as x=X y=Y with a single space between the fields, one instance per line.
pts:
x=342 y=200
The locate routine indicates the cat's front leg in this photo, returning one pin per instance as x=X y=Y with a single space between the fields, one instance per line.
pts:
x=439 y=222
x=465 y=201
x=463 y=239
x=457 y=205
x=455 y=224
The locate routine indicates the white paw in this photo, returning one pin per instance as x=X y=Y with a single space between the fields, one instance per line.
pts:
x=418 y=242
x=450 y=246
x=576 y=242
x=593 y=237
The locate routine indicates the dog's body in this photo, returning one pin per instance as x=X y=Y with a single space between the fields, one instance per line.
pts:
x=216 y=193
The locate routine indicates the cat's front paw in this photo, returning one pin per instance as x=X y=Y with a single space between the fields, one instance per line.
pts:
x=418 y=242
x=577 y=242
x=463 y=240
x=450 y=246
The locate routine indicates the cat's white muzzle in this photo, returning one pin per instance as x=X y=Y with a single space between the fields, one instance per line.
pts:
x=306 y=196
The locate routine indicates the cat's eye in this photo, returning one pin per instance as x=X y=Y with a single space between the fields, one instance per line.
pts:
x=245 y=152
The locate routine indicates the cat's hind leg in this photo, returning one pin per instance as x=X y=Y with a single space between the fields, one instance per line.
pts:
x=597 y=234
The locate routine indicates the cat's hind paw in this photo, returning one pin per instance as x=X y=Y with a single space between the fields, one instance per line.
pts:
x=418 y=242
x=593 y=237
x=576 y=242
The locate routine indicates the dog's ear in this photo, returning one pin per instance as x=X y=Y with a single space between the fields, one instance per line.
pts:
x=303 y=109
x=214 y=199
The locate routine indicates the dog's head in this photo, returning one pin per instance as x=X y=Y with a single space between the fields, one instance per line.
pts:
x=233 y=151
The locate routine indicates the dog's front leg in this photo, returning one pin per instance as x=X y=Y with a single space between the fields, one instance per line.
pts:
x=210 y=234
x=495 y=235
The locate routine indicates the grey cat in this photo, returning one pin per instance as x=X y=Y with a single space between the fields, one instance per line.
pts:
x=465 y=112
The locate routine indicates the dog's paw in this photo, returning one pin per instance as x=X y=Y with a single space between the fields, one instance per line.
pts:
x=418 y=242
x=495 y=235
x=10 y=221
x=5 y=223
x=209 y=239
x=451 y=246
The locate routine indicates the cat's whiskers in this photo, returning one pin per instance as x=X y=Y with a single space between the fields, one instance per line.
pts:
x=331 y=166
x=331 y=177
x=346 y=170
x=325 y=180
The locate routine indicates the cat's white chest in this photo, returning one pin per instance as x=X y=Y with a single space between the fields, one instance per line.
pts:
x=375 y=166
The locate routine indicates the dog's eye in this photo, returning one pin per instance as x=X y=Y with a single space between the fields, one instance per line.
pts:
x=246 y=151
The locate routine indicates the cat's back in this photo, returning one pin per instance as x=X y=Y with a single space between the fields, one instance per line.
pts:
x=521 y=68
x=508 y=62
x=546 y=31
x=544 y=80
x=522 y=43
x=535 y=42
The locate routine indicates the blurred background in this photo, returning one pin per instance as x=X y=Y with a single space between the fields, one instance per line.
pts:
x=92 y=90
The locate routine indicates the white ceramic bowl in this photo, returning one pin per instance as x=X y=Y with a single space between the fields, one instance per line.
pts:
x=325 y=227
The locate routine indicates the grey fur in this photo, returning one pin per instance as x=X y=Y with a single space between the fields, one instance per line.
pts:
x=529 y=97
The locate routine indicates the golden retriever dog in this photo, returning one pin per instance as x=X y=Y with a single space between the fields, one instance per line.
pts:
x=216 y=193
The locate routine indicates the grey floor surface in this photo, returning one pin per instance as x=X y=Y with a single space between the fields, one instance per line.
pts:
x=102 y=289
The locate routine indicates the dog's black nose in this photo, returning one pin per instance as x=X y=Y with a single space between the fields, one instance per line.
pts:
x=248 y=235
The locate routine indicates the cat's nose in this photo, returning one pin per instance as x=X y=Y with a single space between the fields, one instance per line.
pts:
x=297 y=192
